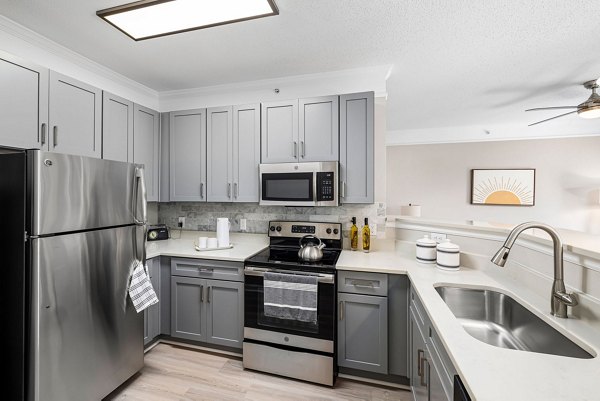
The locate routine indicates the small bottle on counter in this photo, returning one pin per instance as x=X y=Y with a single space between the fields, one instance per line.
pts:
x=366 y=236
x=354 y=235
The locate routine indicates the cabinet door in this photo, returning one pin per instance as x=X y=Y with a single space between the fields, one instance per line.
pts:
x=188 y=309
x=23 y=104
x=356 y=148
x=117 y=128
x=219 y=150
x=246 y=152
x=436 y=388
x=418 y=352
x=279 y=132
x=225 y=314
x=319 y=133
x=187 y=155
x=152 y=313
x=146 y=147
x=363 y=332
x=75 y=110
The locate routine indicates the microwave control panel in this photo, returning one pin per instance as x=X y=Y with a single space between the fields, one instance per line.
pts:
x=325 y=186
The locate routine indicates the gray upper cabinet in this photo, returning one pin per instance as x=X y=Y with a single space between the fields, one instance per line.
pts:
x=356 y=148
x=225 y=314
x=219 y=164
x=363 y=332
x=319 y=133
x=187 y=156
x=146 y=147
x=279 y=132
x=23 y=104
x=246 y=152
x=75 y=110
x=117 y=128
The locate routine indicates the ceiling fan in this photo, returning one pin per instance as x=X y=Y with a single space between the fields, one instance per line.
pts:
x=588 y=109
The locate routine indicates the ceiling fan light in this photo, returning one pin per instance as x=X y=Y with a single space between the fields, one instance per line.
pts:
x=147 y=19
x=590 y=112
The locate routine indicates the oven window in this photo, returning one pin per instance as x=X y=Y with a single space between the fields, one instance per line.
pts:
x=287 y=186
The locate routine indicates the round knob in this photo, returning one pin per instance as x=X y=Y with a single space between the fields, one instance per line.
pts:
x=278 y=228
x=335 y=231
x=328 y=231
x=272 y=228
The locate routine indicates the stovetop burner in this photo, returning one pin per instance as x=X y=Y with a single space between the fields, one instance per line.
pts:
x=284 y=245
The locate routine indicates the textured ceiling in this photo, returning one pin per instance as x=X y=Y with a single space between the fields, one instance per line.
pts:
x=460 y=62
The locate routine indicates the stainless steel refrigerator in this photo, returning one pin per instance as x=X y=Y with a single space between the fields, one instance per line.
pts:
x=73 y=228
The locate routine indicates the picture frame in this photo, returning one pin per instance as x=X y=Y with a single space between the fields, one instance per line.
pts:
x=503 y=187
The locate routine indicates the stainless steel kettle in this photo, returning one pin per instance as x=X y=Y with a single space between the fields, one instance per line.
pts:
x=310 y=252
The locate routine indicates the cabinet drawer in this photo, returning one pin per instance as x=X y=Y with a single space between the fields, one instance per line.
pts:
x=214 y=269
x=363 y=283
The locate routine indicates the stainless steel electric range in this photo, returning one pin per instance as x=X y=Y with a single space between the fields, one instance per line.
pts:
x=304 y=350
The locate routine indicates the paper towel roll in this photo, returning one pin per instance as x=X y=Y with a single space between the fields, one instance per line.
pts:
x=223 y=231
x=411 y=210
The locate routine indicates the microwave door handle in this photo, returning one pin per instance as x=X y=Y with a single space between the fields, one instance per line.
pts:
x=315 y=194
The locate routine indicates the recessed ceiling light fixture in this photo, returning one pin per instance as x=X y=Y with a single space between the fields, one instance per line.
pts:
x=148 y=19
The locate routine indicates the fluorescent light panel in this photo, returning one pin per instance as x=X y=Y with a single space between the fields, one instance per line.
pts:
x=149 y=19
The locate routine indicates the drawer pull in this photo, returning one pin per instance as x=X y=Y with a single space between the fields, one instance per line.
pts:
x=363 y=284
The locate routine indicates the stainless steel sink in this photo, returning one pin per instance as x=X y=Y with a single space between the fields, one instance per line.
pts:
x=499 y=320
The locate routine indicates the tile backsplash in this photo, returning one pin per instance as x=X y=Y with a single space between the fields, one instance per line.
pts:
x=203 y=216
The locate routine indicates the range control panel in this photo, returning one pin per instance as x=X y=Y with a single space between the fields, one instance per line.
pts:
x=298 y=229
x=325 y=186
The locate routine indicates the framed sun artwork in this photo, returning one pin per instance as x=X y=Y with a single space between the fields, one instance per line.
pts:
x=509 y=187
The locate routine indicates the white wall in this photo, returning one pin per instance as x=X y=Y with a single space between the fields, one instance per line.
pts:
x=438 y=177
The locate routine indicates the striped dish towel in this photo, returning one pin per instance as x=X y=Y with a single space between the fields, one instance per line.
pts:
x=140 y=289
x=291 y=296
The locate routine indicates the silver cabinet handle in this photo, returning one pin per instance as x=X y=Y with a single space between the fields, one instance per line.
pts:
x=425 y=382
x=420 y=355
x=341 y=310
x=208 y=295
x=295 y=149
x=235 y=190
x=343 y=189
x=201 y=293
x=201 y=190
x=363 y=283
x=55 y=134
x=303 y=147
x=229 y=190
x=43 y=139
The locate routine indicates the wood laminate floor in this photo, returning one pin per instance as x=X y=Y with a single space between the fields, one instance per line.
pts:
x=175 y=373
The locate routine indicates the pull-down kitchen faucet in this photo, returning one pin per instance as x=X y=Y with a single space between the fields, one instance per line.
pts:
x=560 y=297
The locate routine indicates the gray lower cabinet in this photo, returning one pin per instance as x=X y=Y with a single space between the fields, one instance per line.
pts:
x=363 y=332
x=418 y=354
x=152 y=314
x=75 y=117
x=187 y=156
x=146 y=147
x=188 y=308
x=356 y=148
x=225 y=311
x=117 y=128
x=23 y=104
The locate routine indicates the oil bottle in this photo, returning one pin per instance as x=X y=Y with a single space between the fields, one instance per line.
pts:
x=366 y=236
x=354 y=235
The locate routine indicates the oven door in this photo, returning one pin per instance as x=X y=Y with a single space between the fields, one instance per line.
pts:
x=255 y=319
x=288 y=188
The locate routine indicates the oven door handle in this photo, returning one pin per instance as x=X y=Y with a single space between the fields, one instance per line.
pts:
x=260 y=271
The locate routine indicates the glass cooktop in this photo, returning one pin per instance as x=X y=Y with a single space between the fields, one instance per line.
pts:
x=287 y=258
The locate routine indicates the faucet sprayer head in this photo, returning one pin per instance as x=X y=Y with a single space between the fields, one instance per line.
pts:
x=501 y=256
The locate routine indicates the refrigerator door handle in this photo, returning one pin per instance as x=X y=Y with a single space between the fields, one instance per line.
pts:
x=140 y=186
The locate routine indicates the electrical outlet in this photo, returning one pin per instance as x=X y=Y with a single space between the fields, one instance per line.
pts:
x=373 y=227
x=243 y=224
x=437 y=237
x=181 y=222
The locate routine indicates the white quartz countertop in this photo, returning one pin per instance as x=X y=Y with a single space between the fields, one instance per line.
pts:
x=491 y=373
x=244 y=246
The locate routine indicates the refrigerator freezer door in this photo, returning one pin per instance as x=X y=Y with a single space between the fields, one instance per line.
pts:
x=75 y=193
x=87 y=338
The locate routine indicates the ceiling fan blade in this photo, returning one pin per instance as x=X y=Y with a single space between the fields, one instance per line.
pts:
x=552 y=108
x=552 y=118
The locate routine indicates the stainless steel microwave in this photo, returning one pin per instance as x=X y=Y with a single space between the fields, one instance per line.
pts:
x=299 y=184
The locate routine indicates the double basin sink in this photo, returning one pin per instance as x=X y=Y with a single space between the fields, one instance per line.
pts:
x=499 y=320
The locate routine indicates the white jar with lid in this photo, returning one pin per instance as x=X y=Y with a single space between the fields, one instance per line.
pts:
x=448 y=256
x=426 y=250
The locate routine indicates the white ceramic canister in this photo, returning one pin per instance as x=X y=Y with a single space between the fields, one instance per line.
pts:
x=426 y=250
x=448 y=256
